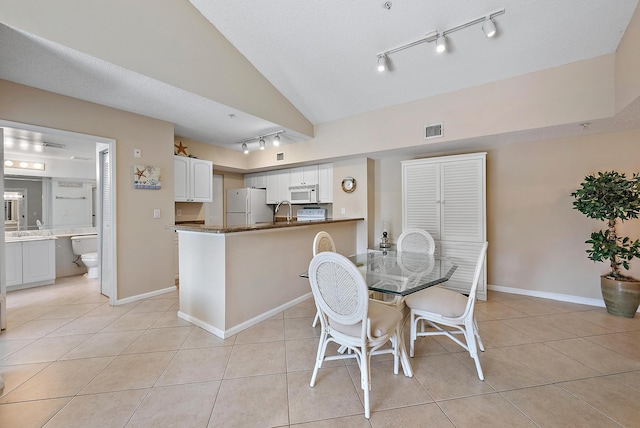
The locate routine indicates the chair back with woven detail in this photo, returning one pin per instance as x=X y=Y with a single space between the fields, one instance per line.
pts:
x=323 y=242
x=416 y=241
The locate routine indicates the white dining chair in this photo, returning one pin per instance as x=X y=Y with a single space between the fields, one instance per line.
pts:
x=322 y=242
x=416 y=241
x=441 y=308
x=350 y=319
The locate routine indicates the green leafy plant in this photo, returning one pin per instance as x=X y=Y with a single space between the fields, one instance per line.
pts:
x=612 y=197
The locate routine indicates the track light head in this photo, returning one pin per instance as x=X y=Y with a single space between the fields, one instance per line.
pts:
x=262 y=143
x=489 y=27
x=382 y=63
x=276 y=140
x=244 y=148
x=441 y=44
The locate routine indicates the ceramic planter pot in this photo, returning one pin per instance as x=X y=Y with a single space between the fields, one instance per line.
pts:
x=620 y=297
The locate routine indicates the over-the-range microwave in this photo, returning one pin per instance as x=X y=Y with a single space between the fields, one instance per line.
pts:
x=307 y=194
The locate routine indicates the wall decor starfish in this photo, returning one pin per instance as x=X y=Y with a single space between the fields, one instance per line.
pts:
x=181 y=149
x=140 y=173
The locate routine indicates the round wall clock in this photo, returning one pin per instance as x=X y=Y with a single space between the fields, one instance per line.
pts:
x=349 y=184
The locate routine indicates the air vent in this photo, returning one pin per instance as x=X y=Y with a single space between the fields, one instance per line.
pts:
x=433 y=131
x=279 y=157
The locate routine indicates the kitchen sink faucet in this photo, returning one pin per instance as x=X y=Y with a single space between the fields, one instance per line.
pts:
x=289 y=215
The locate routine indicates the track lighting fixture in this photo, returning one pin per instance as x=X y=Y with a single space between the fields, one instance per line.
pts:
x=441 y=44
x=488 y=26
x=382 y=62
x=260 y=139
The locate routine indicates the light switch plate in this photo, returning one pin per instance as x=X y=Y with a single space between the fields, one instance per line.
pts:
x=137 y=153
x=156 y=213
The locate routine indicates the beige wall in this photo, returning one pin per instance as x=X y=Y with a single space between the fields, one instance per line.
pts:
x=356 y=204
x=536 y=239
x=537 y=100
x=628 y=65
x=144 y=246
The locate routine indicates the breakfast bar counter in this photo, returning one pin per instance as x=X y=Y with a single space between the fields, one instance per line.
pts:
x=232 y=278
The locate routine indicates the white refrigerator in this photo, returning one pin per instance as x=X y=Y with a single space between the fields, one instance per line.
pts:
x=247 y=206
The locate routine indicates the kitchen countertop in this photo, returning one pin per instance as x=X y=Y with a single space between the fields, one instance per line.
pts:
x=209 y=228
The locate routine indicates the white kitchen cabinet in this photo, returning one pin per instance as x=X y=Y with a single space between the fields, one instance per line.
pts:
x=278 y=182
x=193 y=179
x=30 y=263
x=304 y=175
x=257 y=180
x=446 y=197
x=13 y=263
x=325 y=183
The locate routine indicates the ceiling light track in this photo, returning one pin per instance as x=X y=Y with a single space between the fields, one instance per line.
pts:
x=261 y=140
x=439 y=37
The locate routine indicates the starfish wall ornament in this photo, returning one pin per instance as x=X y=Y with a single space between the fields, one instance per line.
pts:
x=181 y=149
x=140 y=173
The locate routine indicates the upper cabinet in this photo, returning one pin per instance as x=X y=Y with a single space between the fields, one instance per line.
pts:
x=193 y=179
x=278 y=183
x=325 y=183
x=304 y=175
x=256 y=180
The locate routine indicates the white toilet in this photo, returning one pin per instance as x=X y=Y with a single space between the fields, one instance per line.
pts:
x=86 y=247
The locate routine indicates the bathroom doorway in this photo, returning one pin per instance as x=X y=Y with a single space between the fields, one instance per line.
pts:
x=22 y=133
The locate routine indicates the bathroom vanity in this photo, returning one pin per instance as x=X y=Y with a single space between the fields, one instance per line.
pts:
x=30 y=262
x=34 y=257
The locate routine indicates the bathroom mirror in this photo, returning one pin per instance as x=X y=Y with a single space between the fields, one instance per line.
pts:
x=33 y=203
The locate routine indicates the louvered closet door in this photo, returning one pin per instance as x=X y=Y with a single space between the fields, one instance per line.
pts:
x=421 y=196
x=462 y=201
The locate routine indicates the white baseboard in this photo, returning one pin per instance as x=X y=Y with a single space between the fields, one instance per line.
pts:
x=553 y=296
x=223 y=334
x=203 y=325
x=145 y=295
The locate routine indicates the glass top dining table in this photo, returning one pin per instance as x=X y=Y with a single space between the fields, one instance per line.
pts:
x=401 y=273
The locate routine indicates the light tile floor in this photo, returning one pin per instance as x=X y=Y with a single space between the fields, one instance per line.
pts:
x=71 y=360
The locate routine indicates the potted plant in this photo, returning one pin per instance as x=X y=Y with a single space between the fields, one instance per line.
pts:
x=613 y=197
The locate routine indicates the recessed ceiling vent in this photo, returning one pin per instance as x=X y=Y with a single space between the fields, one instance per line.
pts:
x=279 y=157
x=433 y=131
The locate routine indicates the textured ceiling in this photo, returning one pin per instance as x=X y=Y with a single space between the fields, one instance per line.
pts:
x=322 y=56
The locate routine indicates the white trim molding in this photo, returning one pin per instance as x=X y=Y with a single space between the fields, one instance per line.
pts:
x=145 y=295
x=552 y=296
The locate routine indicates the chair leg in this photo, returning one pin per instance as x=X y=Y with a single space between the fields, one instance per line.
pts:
x=315 y=320
x=469 y=333
x=477 y=333
x=322 y=348
x=365 y=379
x=396 y=343
x=412 y=333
